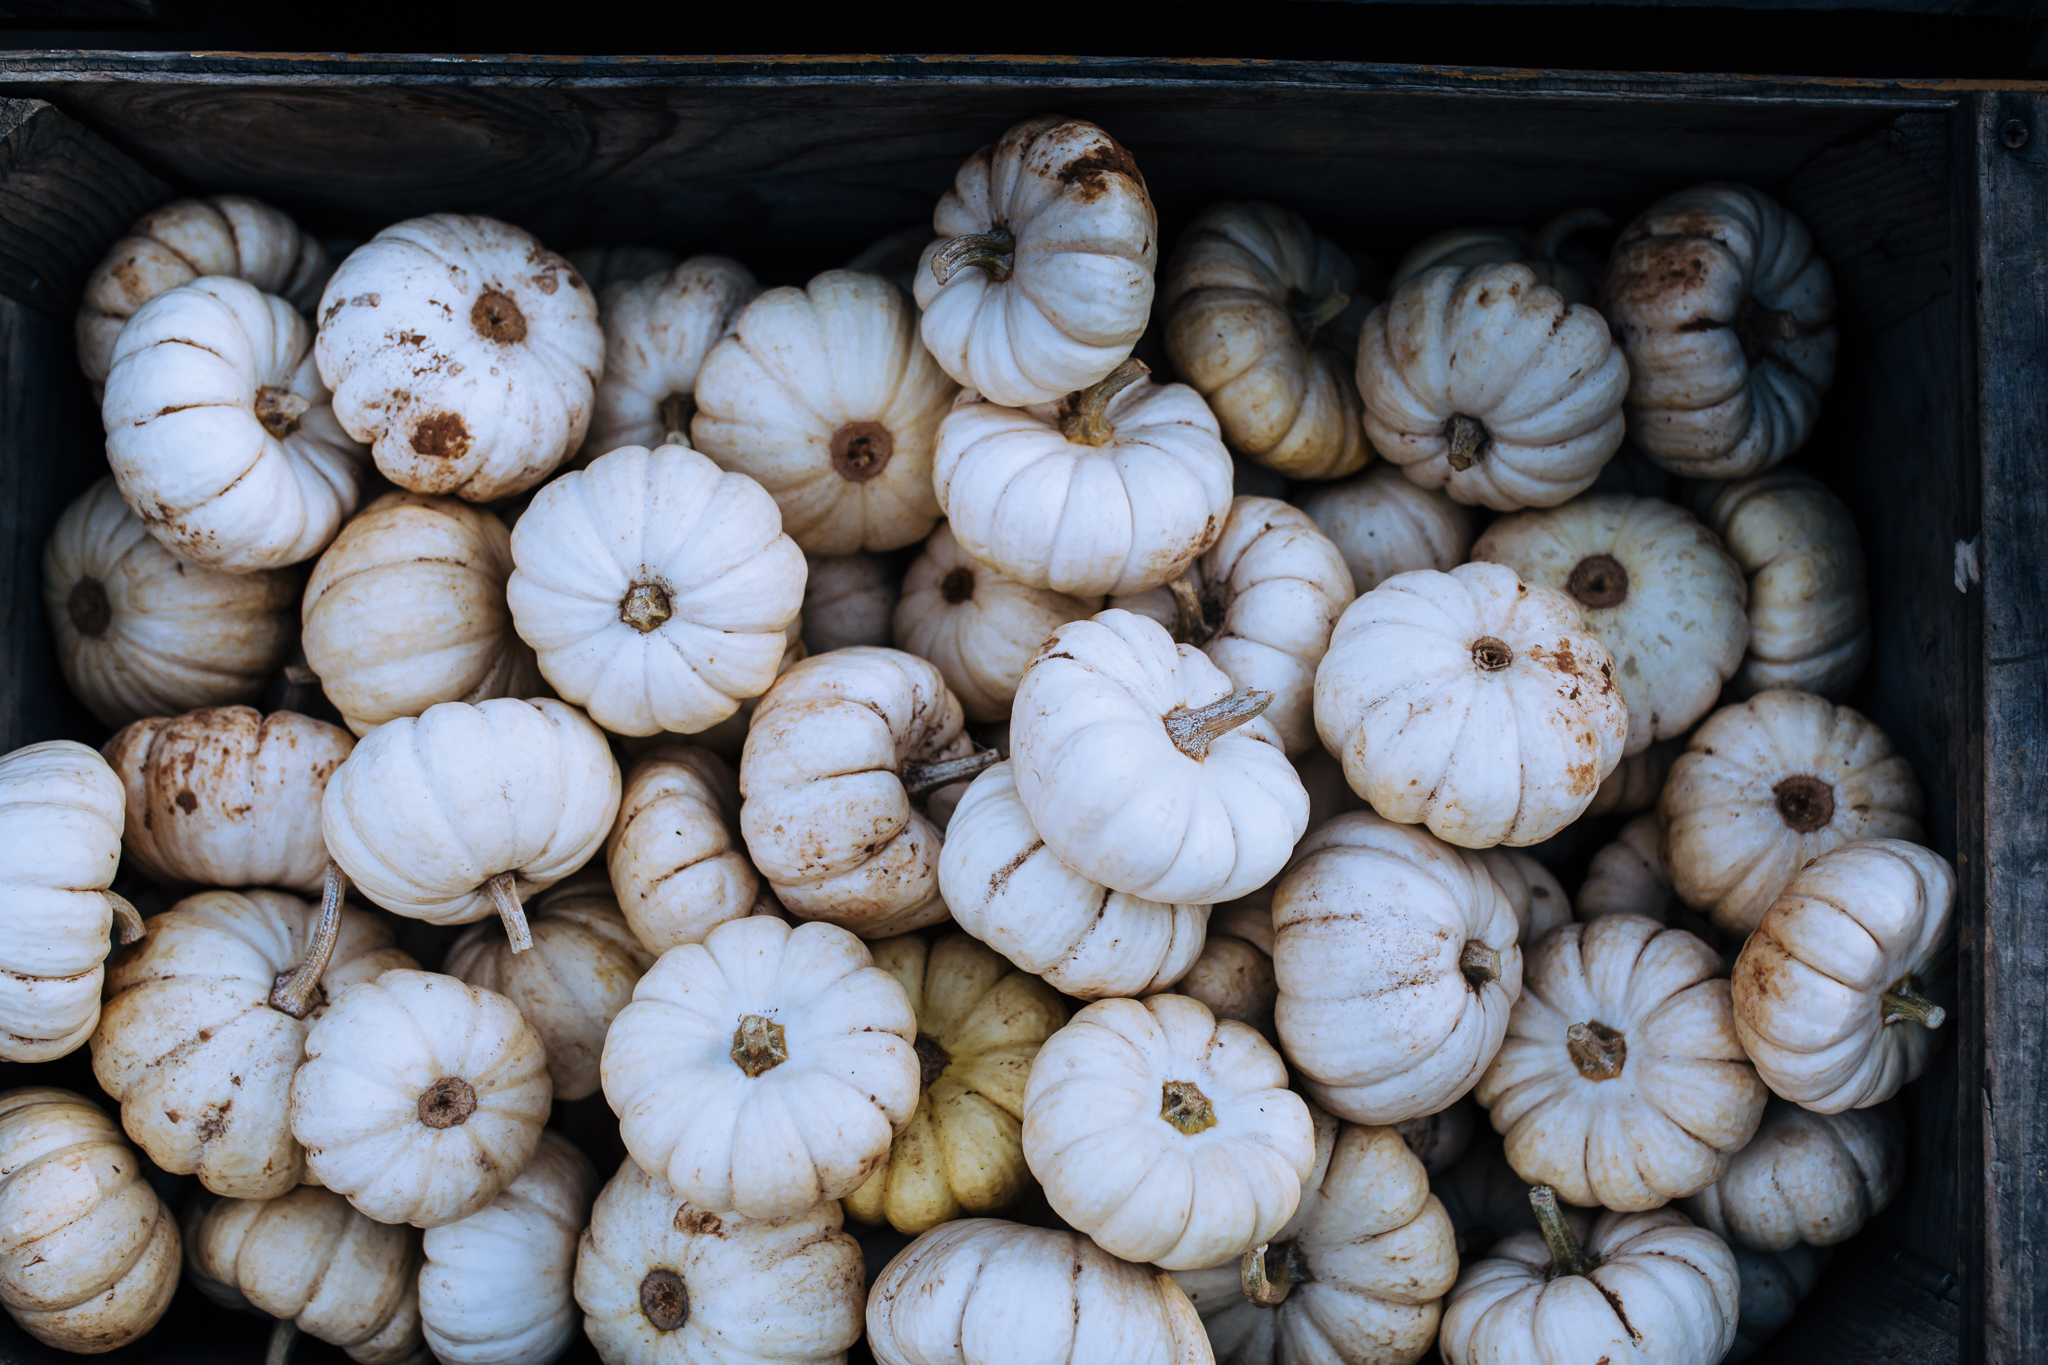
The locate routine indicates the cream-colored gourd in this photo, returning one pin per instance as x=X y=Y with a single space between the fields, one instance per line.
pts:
x=1144 y=769
x=1112 y=490
x=1627 y=876
x=1642 y=1286
x=1489 y=385
x=1440 y=1140
x=307 y=1259
x=88 y=1251
x=659 y=324
x=141 y=632
x=848 y=600
x=976 y=625
x=1254 y=303
x=61 y=812
x=823 y=395
x=675 y=855
x=1637 y=781
x=176 y=243
x=1006 y=888
x=622 y=263
x=764 y=1069
x=463 y=811
x=980 y=1022
x=1621 y=1081
x=1764 y=788
x=1356 y=1276
x=464 y=352
x=219 y=430
x=580 y=974
x=1164 y=1134
x=1396 y=959
x=407 y=609
x=1041 y=280
x=981 y=1292
x=841 y=749
x=1467 y=247
x=662 y=1280
x=1827 y=990
x=1234 y=974
x=498 y=1286
x=420 y=1097
x=1809 y=594
x=1806 y=1177
x=654 y=589
x=228 y=796
x=1773 y=1283
x=1383 y=524
x=1537 y=897
x=199 y=1041
x=1653 y=585
x=1472 y=703
x=1724 y=311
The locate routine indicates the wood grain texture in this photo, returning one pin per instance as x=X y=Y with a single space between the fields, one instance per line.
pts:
x=65 y=195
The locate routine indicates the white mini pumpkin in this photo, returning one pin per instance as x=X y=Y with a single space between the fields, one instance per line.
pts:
x=61 y=812
x=675 y=855
x=1472 y=703
x=1164 y=1134
x=1827 y=998
x=1253 y=303
x=1041 y=280
x=220 y=432
x=141 y=632
x=765 y=1069
x=1355 y=1277
x=1809 y=595
x=1621 y=1081
x=1724 y=311
x=1143 y=769
x=1383 y=523
x=1654 y=586
x=1773 y=1283
x=654 y=589
x=1006 y=888
x=420 y=1097
x=1806 y=1178
x=1491 y=386
x=1440 y=1140
x=658 y=326
x=498 y=1286
x=1765 y=787
x=1627 y=876
x=407 y=608
x=461 y=812
x=1397 y=964
x=1637 y=781
x=1537 y=897
x=984 y=1292
x=1113 y=490
x=848 y=600
x=1234 y=974
x=464 y=352
x=823 y=395
x=1470 y=246
x=176 y=243
x=88 y=1251
x=662 y=1281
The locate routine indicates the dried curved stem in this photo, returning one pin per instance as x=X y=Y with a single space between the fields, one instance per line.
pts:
x=1194 y=728
x=294 y=991
x=1311 y=316
x=1567 y=1257
x=1257 y=1281
x=676 y=411
x=504 y=891
x=127 y=919
x=1190 y=626
x=283 y=1337
x=1903 y=1004
x=919 y=778
x=1087 y=421
x=993 y=252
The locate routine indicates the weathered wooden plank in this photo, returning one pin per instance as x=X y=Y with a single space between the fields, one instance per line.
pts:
x=65 y=194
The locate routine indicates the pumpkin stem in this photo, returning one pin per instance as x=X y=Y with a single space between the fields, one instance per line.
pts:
x=920 y=778
x=676 y=411
x=294 y=991
x=1190 y=622
x=1758 y=327
x=1312 y=315
x=1571 y=222
x=1257 y=1278
x=664 y=1300
x=127 y=919
x=646 y=607
x=758 y=1045
x=90 y=609
x=284 y=1335
x=1598 y=1051
x=1904 y=1004
x=1085 y=421
x=1567 y=1257
x=1479 y=964
x=993 y=252
x=278 y=410
x=1193 y=729
x=1182 y=1104
x=1468 y=438
x=505 y=895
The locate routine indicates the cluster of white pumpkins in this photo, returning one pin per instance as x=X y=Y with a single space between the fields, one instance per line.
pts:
x=1125 y=868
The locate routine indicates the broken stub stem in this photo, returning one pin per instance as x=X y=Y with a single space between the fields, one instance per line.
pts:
x=127 y=919
x=1257 y=1281
x=1479 y=963
x=1194 y=728
x=1904 y=1004
x=993 y=252
x=919 y=778
x=1190 y=627
x=1088 y=424
x=505 y=895
x=1567 y=1257
x=676 y=411
x=283 y=1336
x=294 y=991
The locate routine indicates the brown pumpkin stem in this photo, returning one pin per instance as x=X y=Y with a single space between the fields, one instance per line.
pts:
x=676 y=411
x=1757 y=328
x=1567 y=1257
x=1903 y=1004
x=1571 y=222
x=504 y=891
x=284 y=1336
x=1491 y=655
x=294 y=991
x=932 y=1060
x=90 y=609
x=646 y=607
x=497 y=317
x=664 y=1300
x=920 y=778
x=447 y=1103
x=1262 y=1282
x=1478 y=963
x=1190 y=623
x=1194 y=728
x=1598 y=581
x=1182 y=1104
x=1598 y=1051
x=1085 y=420
x=278 y=410
x=758 y=1045
x=1312 y=315
x=993 y=252
x=127 y=919
x=1805 y=803
x=1468 y=439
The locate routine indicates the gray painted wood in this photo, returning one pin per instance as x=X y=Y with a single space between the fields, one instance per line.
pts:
x=68 y=194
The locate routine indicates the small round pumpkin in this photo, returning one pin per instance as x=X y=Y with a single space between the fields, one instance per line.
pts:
x=1234 y=974
x=675 y=854
x=1440 y=1140
x=88 y=1252
x=1637 y=781
x=1466 y=247
x=407 y=609
x=1383 y=523
x=1773 y=1283
x=848 y=600
x=1627 y=876
x=823 y=395
x=1472 y=703
x=1041 y=280
x=1537 y=897
x=142 y=633
x=659 y=324
x=1806 y=1177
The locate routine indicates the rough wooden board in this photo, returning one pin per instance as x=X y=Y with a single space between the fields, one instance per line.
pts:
x=1876 y=1304
x=65 y=194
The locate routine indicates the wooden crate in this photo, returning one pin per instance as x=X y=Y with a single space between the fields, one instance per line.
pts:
x=1930 y=200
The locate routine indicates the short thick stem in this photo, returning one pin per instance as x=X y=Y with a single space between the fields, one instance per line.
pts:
x=1194 y=728
x=1903 y=1004
x=1182 y=1104
x=127 y=919
x=921 y=778
x=1312 y=315
x=646 y=607
x=504 y=890
x=758 y=1045
x=1259 y=1280
x=1598 y=1051
x=279 y=410
x=993 y=252
x=295 y=991
x=1567 y=1257
x=1479 y=964
x=284 y=1335
x=1467 y=438
x=1086 y=421
x=676 y=411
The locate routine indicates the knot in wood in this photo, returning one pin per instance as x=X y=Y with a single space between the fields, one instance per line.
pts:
x=1599 y=581
x=497 y=318
x=758 y=1046
x=89 y=608
x=1805 y=803
x=664 y=1300
x=861 y=450
x=1491 y=655
x=447 y=1103
x=1596 y=1050
x=1468 y=439
x=1182 y=1104
x=646 y=607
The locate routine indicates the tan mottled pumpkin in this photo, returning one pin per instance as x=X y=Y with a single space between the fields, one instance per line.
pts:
x=675 y=854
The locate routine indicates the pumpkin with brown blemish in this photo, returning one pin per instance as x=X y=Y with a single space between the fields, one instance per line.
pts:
x=1541 y=251
x=1384 y=524
x=1233 y=975
x=1806 y=1178
x=675 y=855
x=659 y=325
x=1627 y=876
